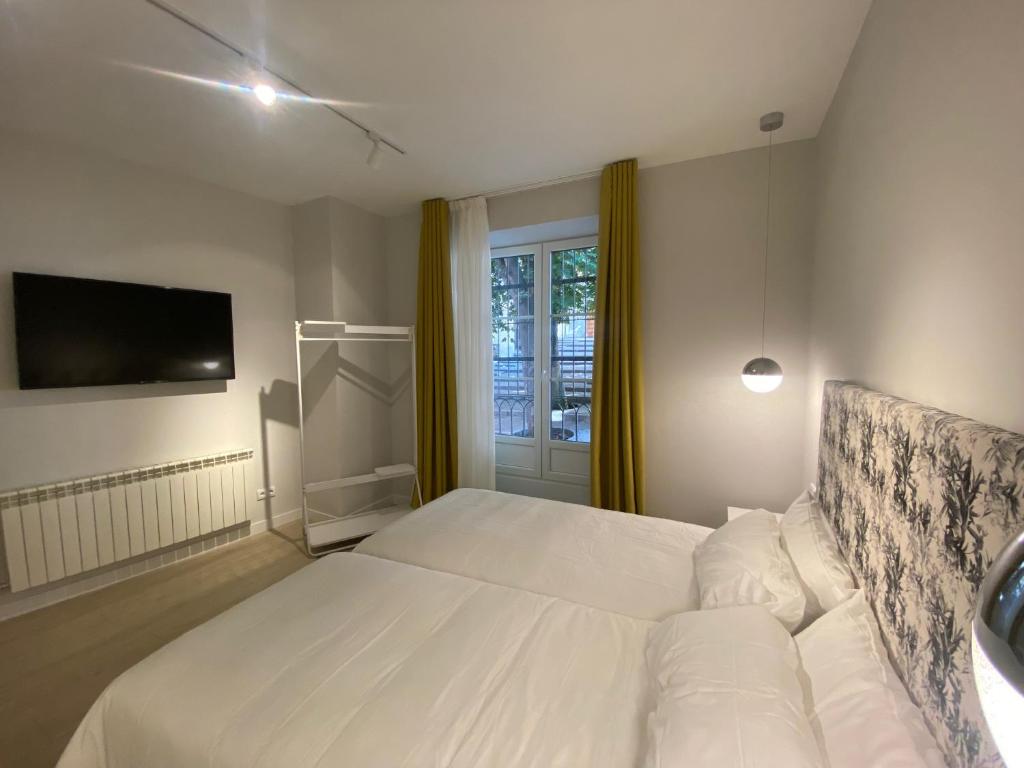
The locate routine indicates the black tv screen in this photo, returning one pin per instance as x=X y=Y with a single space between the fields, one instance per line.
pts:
x=73 y=332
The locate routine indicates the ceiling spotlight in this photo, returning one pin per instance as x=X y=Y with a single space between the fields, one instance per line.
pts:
x=373 y=159
x=255 y=81
x=264 y=94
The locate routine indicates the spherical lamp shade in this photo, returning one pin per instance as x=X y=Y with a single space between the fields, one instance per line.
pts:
x=762 y=374
x=997 y=651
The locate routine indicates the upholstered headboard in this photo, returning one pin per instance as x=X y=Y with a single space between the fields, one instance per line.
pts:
x=921 y=502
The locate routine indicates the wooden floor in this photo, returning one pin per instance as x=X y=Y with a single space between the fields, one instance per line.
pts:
x=54 y=662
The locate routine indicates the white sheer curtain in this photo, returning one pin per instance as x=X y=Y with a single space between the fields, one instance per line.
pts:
x=471 y=302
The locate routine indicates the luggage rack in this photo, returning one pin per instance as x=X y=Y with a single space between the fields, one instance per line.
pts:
x=323 y=536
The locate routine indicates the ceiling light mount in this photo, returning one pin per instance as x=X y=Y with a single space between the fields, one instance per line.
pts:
x=772 y=121
x=376 y=153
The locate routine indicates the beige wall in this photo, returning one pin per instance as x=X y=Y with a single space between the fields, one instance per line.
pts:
x=64 y=211
x=918 y=261
x=710 y=442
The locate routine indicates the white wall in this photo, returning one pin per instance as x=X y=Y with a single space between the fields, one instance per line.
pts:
x=557 y=202
x=365 y=386
x=65 y=211
x=918 y=261
x=312 y=236
x=401 y=255
x=710 y=442
x=349 y=393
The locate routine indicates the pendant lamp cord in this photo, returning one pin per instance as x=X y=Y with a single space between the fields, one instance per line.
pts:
x=767 y=230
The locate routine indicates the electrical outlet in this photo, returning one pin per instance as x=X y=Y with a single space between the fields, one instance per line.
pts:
x=272 y=491
x=261 y=494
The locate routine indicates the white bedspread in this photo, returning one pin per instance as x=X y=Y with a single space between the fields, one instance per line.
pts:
x=637 y=566
x=364 y=662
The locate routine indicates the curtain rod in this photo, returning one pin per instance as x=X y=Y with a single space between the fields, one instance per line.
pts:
x=190 y=22
x=501 y=191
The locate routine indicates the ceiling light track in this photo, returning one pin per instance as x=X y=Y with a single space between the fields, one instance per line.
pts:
x=170 y=10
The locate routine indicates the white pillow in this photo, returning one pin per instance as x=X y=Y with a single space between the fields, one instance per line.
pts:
x=728 y=695
x=743 y=563
x=733 y=512
x=822 y=569
x=860 y=711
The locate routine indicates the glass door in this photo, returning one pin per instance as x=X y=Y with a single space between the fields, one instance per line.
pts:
x=543 y=302
x=570 y=302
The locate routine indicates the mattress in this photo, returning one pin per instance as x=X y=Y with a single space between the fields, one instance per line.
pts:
x=636 y=566
x=361 y=661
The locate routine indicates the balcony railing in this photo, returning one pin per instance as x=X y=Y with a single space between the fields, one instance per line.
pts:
x=570 y=417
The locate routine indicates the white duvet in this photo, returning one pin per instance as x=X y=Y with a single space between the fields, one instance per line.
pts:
x=360 y=661
x=636 y=566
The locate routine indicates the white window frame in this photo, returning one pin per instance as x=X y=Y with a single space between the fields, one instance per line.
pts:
x=536 y=457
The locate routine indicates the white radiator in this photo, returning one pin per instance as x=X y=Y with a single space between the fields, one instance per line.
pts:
x=55 y=531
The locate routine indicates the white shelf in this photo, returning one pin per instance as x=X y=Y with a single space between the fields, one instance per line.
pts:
x=351 y=332
x=331 y=531
x=389 y=472
x=394 y=470
x=322 y=533
x=379 y=330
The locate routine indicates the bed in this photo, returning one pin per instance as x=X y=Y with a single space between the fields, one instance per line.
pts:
x=493 y=630
x=487 y=630
x=637 y=566
x=356 y=660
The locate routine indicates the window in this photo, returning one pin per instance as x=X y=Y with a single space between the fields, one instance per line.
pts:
x=543 y=300
x=572 y=307
x=512 y=336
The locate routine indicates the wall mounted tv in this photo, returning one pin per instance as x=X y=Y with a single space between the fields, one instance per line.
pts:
x=73 y=332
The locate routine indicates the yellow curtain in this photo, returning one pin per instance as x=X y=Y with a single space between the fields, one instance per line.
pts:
x=617 y=431
x=436 y=432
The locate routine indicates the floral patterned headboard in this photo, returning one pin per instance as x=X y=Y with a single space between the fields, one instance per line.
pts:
x=921 y=502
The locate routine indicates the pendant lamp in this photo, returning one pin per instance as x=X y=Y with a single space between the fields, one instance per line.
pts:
x=762 y=374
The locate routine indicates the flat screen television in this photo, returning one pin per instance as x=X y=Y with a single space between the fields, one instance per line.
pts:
x=74 y=332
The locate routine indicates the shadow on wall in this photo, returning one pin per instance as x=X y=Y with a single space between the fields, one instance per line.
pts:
x=330 y=363
x=280 y=405
x=12 y=397
x=384 y=391
x=322 y=367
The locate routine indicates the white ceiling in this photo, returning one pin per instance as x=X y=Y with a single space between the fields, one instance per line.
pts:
x=482 y=94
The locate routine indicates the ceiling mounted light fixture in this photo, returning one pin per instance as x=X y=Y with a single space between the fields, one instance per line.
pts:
x=762 y=374
x=264 y=94
x=376 y=153
x=261 y=87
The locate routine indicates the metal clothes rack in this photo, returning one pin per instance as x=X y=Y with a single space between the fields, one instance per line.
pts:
x=321 y=536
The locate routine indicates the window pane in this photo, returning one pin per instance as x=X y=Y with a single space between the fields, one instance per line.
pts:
x=573 y=302
x=512 y=310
